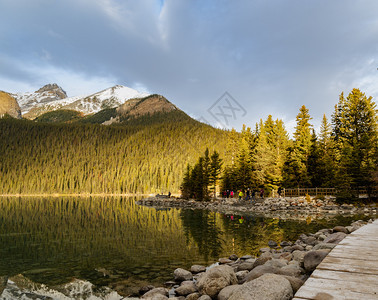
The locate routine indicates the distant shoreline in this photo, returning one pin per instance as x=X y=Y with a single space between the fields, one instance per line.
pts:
x=72 y=195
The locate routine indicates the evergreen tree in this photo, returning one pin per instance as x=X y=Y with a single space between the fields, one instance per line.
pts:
x=355 y=135
x=215 y=170
x=296 y=167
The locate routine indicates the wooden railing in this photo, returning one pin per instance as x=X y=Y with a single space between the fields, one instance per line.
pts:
x=297 y=192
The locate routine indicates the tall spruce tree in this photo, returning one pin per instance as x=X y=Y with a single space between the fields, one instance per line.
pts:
x=296 y=167
x=355 y=135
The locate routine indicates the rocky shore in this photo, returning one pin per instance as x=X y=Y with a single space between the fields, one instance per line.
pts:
x=269 y=207
x=276 y=274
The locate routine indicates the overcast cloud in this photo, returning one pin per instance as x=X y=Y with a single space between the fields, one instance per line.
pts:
x=271 y=56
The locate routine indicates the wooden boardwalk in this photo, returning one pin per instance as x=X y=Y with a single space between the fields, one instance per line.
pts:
x=350 y=270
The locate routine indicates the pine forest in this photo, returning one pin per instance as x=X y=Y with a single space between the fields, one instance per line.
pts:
x=170 y=152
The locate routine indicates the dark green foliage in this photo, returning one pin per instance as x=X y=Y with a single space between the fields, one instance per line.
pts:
x=100 y=117
x=59 y=116
x=204 y=173
x=88 y=158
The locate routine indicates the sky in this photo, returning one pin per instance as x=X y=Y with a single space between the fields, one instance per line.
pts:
x=226 y=63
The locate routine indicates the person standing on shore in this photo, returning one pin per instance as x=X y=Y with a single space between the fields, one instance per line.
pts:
x=240 y=195
x=262 y=193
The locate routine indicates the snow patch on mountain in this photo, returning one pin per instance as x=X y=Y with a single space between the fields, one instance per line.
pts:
x=48 y=99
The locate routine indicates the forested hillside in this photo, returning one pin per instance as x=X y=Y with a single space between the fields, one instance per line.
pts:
x=148 y=154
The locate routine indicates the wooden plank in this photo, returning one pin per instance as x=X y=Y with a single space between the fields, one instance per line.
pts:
x=350 y=286
x=366 y=279
x=330 y=293
x=350 y=270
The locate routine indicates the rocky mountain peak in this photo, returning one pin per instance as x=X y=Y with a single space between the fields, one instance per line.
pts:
x=53 y=89
x=9 y=105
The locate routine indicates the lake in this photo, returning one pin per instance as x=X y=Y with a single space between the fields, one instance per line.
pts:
x=112 y=242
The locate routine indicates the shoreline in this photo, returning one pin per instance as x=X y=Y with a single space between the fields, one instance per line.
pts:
x=293 y=207
x=72 y=195
x=277 y=273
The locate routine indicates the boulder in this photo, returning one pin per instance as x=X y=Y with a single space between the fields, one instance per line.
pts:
x=262 y=259
x=285 y=244
x=268 y=286
x=216 y=279
x=186 y=288
x=204 y=297
x=156 y=293
x=197 y=269
x=296 y=283
x=324 y=246
x=310 y=240
x=233 y=257
x=245 y=266
x=312 y=259
x=290 y=270
x=259 y=271
x=276 y=263
x=182 y=275
x=225 y=260
x=245 y=257
x=241 y=275
x=297 y=247
x=145 y=289
x=340 y=229
x=193 y=296
x=227 y=291
x=286 y=255
x=298 y=256
x=272 y=244
x=335 y=238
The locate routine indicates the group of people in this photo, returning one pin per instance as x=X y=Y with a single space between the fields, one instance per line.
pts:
x=247 y=194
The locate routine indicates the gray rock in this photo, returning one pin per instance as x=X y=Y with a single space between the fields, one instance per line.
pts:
x=290 y=270
x=204 y=297
x=297 y=247
x=182 y=275
x=272 y=244
x=156 y=293
x=312 y=259
x=245 y=266
x=227 y=291
x=262 y=259
x=197 y=269
x=268 y=286
x=309 y=247
x=335 y=238
x=288 y=249
x=340 y=229
x=246 y=257
x=298 y=255
x=216 y=279
x=310 y=240
x=233 y=257
x=259 y=271
x=241 y=275
x=285 y=244
x=186 y=288
x=324 y=246
x=276 y=263
x=225 y=260
x=265 y=249
x=143 y=289
x=296 y=283
x=193 y=296
x=286 y=255
x=322 y=237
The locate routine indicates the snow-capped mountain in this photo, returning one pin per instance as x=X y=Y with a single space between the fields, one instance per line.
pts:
x=52 y=97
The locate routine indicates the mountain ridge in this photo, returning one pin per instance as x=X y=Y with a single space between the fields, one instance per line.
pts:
x=52 y=97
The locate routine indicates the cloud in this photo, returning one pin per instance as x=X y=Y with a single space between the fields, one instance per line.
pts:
x=271 y=56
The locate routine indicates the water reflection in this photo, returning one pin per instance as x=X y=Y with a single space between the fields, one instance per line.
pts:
x=113 y=241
